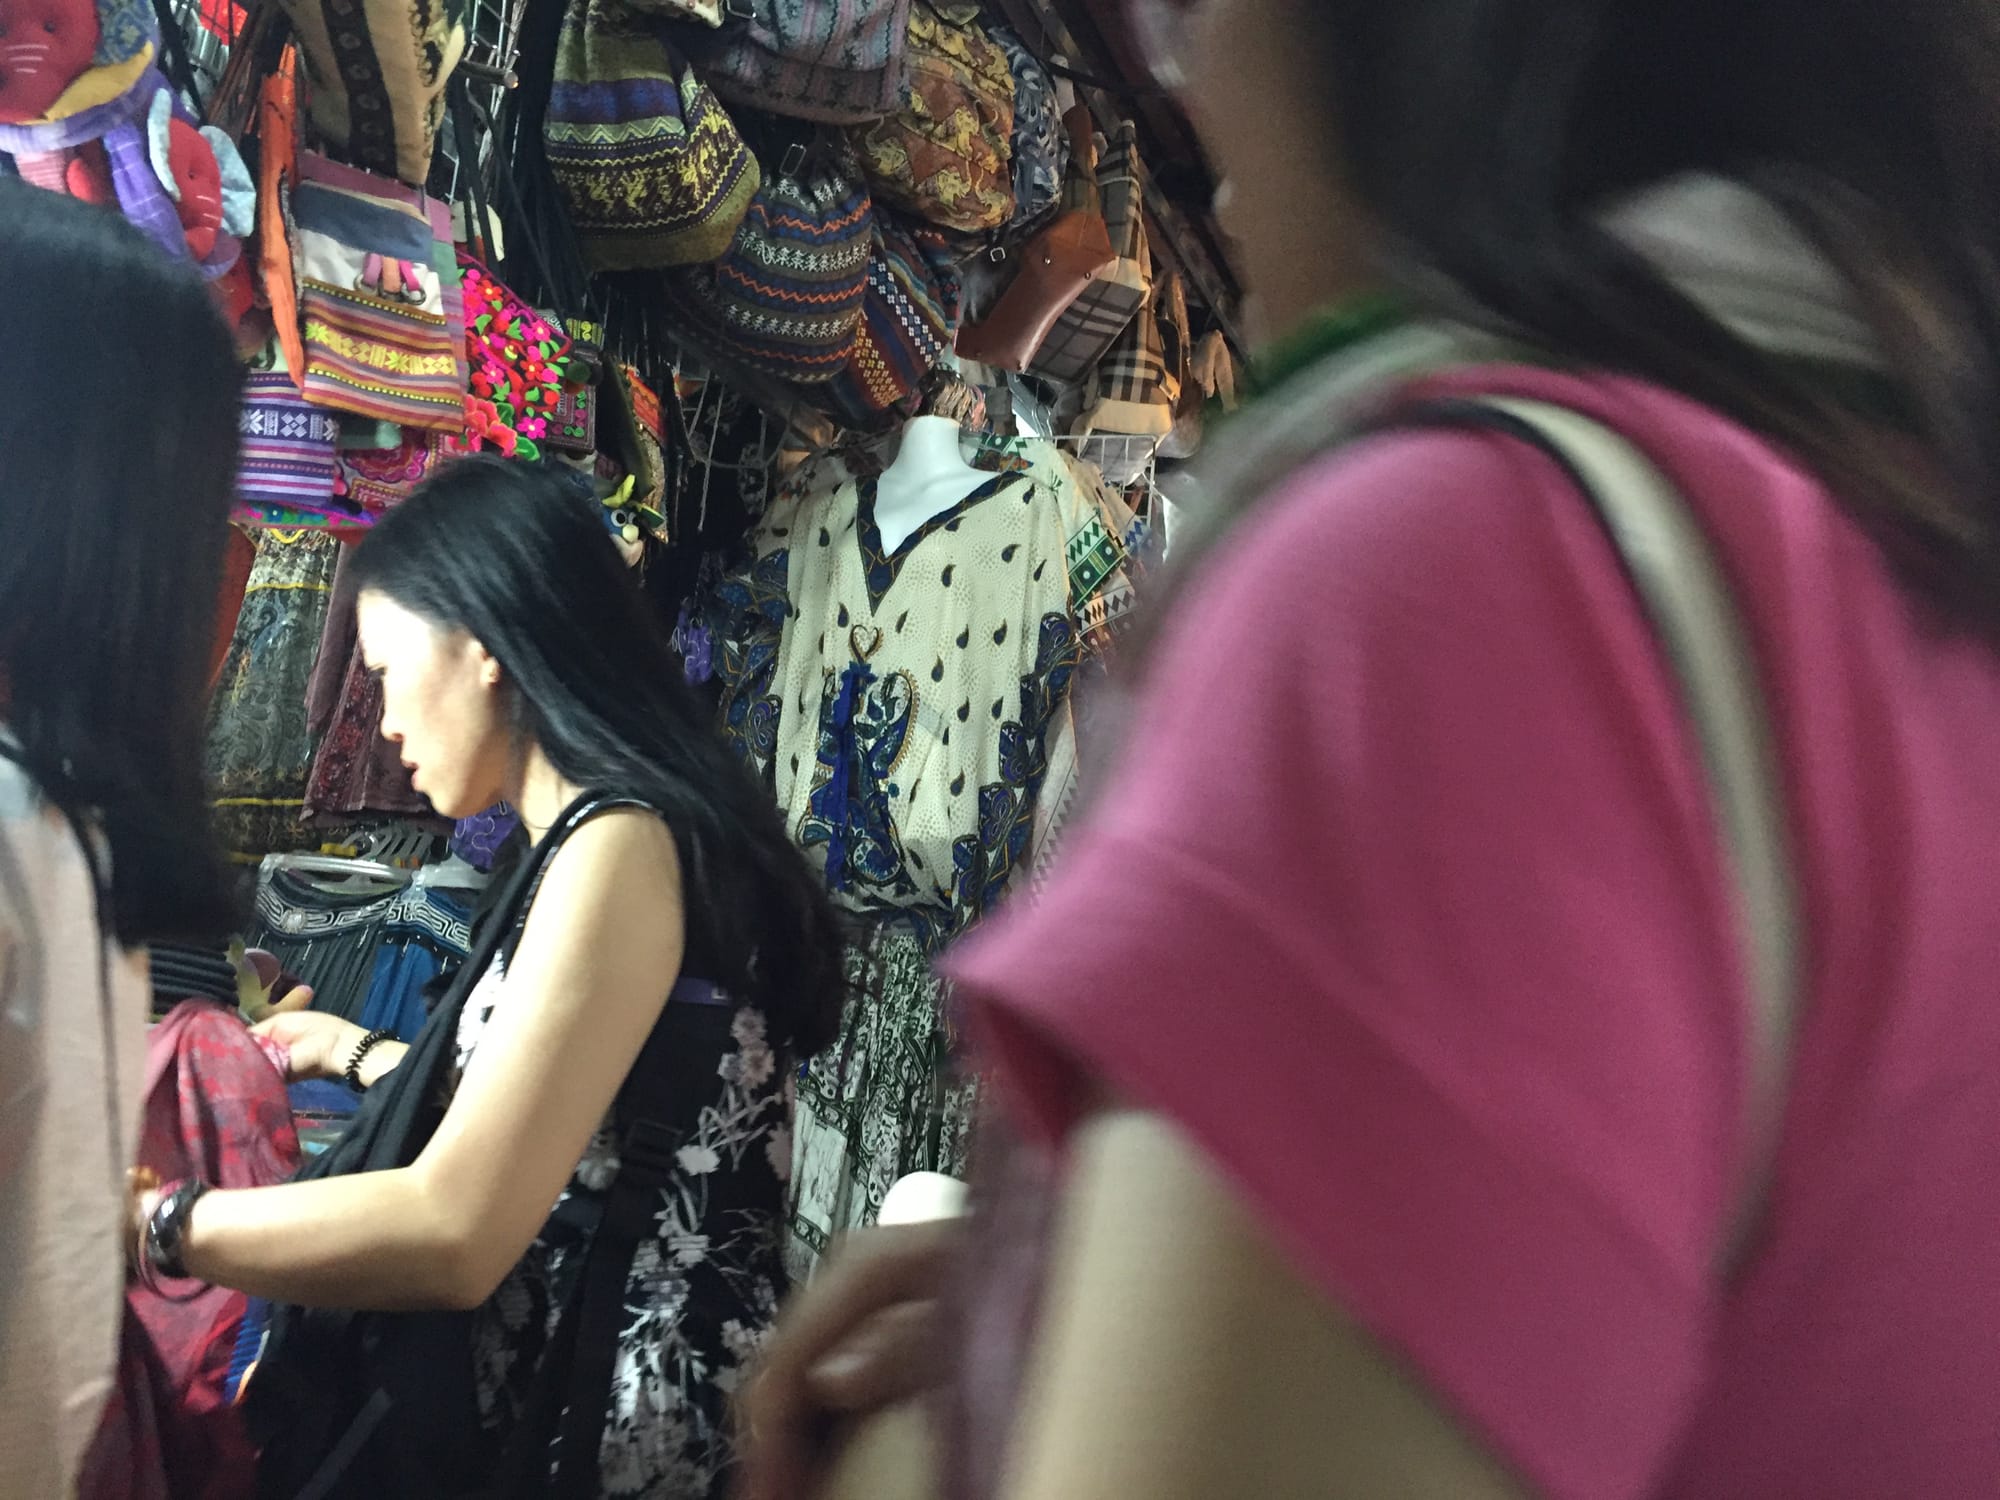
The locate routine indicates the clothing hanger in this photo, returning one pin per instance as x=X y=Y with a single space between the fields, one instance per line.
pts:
x=453 y=874
x=348 y=876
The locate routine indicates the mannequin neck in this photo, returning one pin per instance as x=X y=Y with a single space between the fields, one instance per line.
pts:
x=928 y=477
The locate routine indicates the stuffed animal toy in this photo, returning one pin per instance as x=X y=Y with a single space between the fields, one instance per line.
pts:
x=205 y=178
x=45 y=46
x=83 y=111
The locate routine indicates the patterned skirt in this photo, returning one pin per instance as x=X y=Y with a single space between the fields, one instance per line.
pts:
x=886 y=1099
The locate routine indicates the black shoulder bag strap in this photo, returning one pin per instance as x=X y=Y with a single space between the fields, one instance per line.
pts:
x=324 y=1405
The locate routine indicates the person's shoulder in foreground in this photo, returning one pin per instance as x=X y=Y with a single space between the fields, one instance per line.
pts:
x=1406 y=904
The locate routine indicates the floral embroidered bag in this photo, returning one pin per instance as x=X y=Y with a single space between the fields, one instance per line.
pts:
x=947 y=155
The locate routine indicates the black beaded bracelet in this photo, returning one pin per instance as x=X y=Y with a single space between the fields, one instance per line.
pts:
x=360 y=1051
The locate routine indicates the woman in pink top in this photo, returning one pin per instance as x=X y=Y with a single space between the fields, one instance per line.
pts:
x=1386 y=1029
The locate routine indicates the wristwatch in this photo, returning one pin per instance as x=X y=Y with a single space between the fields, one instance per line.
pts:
x=166 y=1226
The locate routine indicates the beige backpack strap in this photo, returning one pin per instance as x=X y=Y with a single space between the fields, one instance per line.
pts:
x=1694 y=614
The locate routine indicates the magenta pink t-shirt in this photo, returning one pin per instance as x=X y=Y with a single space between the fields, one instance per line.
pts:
x=1408 y=905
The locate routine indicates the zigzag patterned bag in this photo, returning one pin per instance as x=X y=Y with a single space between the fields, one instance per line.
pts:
x=786 y=299
x=650 y=165
x=908 y=319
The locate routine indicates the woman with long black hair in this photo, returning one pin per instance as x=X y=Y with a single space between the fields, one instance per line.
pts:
x=617 y=1046
x=118 y=409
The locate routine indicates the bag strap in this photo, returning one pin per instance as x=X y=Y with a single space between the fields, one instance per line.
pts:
x=1694 y=615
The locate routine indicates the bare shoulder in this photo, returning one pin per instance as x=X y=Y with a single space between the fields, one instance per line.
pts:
x=618 y=866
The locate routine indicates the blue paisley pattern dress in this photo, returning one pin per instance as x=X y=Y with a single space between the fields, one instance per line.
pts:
x=908 y=708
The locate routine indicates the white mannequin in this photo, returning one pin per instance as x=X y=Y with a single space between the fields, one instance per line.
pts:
x=927 y=479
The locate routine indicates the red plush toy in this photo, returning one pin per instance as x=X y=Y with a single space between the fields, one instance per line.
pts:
x=45 y=45
x=198 y=180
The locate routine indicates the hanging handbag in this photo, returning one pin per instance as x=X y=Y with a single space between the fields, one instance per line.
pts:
x=1130 y=396
x=1105 y=308
x=947 y=154
x=786 y=298
x=288 y=457
x=1041 y=142
x=1055 y=268
x=838 y=62
x=378 y=70
x=908 y=316
x=379 y=339
x=649 y=164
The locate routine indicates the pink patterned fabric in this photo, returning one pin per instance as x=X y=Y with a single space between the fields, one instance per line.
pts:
x=216 y=1109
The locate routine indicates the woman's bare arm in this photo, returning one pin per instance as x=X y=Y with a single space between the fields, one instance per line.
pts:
x=601 y=951
x=1182 y=1358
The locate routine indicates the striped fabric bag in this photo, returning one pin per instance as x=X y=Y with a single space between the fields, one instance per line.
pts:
x=908 y=319
x=786 y=299
x=287 y=456
x=1085 y=332
x=650 y=165
x=380 y=340
x=378 y=70
x=840 y=62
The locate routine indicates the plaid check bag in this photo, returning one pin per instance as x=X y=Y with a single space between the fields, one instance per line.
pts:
x=1091 y=324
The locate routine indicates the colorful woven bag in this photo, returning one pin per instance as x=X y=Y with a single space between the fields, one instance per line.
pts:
x=378 y=70
x=908 y=320
x=947 y=155
x=379 y=339
x=1041 y=144
x=835 y=61
x=650 y=165
x=287 y=456
x=786 y=299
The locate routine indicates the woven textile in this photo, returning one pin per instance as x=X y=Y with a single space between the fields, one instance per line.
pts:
x=1092 y=324
x=378 y=70
x=1041 y=144
x=379 y=340
x=786 y=299
x=649 y=162
x=947 y=154
x=288 y=445
x=908 y=319
x=835 y=61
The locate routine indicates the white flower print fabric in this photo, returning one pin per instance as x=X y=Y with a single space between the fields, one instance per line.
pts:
x=703 y=1290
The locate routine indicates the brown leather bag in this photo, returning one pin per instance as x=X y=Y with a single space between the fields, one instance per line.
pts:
x=1055 y=266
